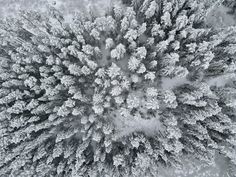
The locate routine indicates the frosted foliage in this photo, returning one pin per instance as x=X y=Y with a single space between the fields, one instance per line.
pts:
x=118 y=52
x=133 y=101
x=113 y=71
x=133 y=63
x=151 y=10
x=142 y=89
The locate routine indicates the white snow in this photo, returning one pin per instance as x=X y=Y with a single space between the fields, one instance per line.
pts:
x=219 y=17
x=126 y=125
x=220 y=81
x=170 y=83
x=129 y=124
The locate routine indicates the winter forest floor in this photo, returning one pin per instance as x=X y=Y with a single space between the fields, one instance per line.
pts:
x=218 y=17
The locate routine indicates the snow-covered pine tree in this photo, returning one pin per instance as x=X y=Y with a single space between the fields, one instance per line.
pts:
x=85 y=98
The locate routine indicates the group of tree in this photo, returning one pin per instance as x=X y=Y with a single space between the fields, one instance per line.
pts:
x=67 y=89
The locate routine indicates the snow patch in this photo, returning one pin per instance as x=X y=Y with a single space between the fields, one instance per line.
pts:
x=125 y=125
x=170 y=83
x=221 y=81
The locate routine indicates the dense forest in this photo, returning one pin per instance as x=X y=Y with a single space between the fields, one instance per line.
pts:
x=139 y=88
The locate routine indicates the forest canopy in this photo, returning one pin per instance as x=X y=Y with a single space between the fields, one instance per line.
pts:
x=123 y=94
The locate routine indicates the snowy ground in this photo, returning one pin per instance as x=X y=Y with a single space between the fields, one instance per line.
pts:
x=217 y=18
